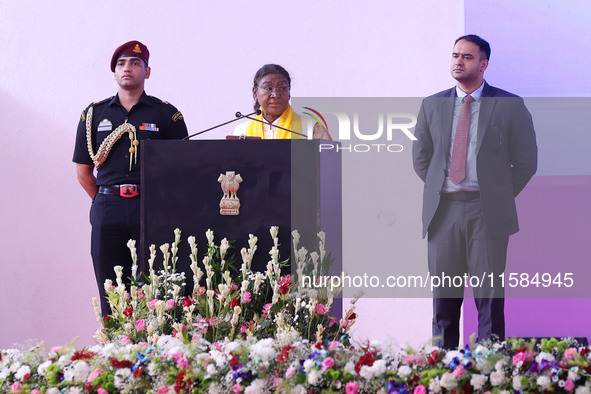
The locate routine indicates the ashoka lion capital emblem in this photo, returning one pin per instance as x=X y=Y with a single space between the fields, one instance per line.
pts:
x=230 y=203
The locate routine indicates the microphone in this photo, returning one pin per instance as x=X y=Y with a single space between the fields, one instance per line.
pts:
x=238 y=117
x=265 y=122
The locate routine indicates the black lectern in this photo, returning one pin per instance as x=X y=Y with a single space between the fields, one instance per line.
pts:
x=293 y=184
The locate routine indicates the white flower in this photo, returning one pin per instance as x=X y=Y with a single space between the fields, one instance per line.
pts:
x=211 y=369
x=81 y=371
x=500 y=364
x=299 y=389
x=477 y=381
x=256 y=387
x=544 y=356
x=314 y=377
x=543 y=381
x=64 y=360
x=435 y=385
x=209 y=236
x=366 y=372
x=218 y=357
x=582 y=390
x=264 y=349
x=22 y=371
x=122 y=377
x=517 y=383
x=350 y=367
x=497 y=378
x=42 y=369
x=404 y=371
x=74 y=390
x=448 y=381
x=52 y=390
x=308 y=364
x=379 y=367
x=484 y=366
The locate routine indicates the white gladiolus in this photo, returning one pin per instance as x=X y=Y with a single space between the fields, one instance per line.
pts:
x=252 y=241
x=119 y=274
x=296 y=239
x=209 y=236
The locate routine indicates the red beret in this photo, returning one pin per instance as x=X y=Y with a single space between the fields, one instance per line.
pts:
x=131 y=48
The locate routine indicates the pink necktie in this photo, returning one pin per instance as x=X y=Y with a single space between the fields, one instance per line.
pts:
x=457 y=169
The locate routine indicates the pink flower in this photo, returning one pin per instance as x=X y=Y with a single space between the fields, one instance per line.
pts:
x=35 y=391
x=152 y=304
x=237 y=388
x=243 y=329
x=16 y=386
x=56 y=349
x=420 y=389
x=277 y=382
x=352 y=388
x=334 y=344
x=93 y=375
x=217 y=346
x=459 y=371
x=162 y=390
x=290 y=372
x=320 y=309
x=102 y=391
x=570 y=353
x=410 y=359
x=202 y=290
x=126 y=340
x=140 y=325
x=169 y=304
x=569 y=385
x=182 y=362
x=266 y=309
x=327 y=363
x=522 y=357
x=246 y=297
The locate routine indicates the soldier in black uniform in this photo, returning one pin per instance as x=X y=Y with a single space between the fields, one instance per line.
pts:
x=107 y=140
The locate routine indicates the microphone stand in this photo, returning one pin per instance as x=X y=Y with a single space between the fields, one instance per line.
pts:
x=238 y=117
x=267 y=123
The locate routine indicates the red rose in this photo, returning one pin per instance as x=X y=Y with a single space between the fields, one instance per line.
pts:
x=234 y=361
x=366 y=359
x=128 y=312
x=234 y=303
x=284 y=283
x=187 y=302
x=138 y=372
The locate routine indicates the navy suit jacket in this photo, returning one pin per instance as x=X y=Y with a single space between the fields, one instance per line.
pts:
x=506 y=156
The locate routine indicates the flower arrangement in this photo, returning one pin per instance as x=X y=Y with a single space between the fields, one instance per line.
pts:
x=253 y=332
x=270 y=365
x=225 y=303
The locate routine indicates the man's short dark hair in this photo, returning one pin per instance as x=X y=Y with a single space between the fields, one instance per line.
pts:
x=481 y=42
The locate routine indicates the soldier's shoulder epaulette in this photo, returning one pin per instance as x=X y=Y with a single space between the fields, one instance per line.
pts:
x=103 y=101
x=158 y=100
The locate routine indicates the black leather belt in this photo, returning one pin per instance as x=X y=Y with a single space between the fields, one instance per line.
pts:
x=460 y=196
x=126 y=191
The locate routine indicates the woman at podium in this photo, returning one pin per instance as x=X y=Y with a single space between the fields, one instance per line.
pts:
x=277 y=119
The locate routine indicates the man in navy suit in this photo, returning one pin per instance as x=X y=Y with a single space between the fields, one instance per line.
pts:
x=475 y=150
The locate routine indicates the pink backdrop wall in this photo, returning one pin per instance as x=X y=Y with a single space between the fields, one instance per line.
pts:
x=55 y=60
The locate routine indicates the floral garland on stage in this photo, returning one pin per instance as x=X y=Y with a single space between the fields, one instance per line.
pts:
x=263 y=333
